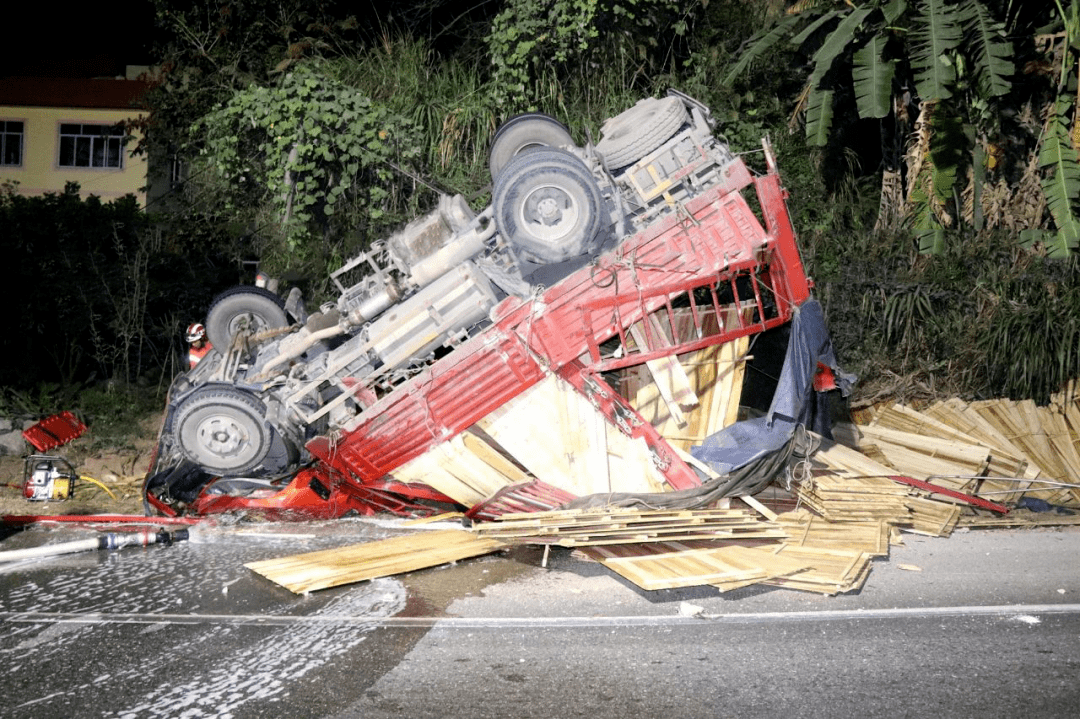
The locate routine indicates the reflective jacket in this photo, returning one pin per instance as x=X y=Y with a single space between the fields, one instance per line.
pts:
x=195 y=354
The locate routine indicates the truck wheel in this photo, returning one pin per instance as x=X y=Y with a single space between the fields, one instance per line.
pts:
x=633 y=134
x=548 y=206
x=242 y=309
x=223 y=430
x=521 y=132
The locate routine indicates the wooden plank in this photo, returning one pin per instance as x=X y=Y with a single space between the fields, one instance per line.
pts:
x=560 y=517
x=668 y=376
x=578 y=528
x=311 y=571
x=830 y=571
x=1063 y=442
x=715 y=378
x=689 y=427
x=922 y=456
x=808 y=530
x=931 y=517
x=561 y=439
x=905 y=419
x=723 y=407
x=683 y=535
x=463 y=468
x=837 y=456
x=675 y=564
x=761 y=508
x=1010 y=422
x=682 y=569
x=962 y=416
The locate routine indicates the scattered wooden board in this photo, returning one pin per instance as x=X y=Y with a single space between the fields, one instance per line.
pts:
x=830 y=571
x=668 y=565
x=766 y=559
x=806 y=529
x=575 y=528
x=310 y=571
x=687 y=568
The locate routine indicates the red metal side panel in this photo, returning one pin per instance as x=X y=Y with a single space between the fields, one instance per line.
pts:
x=788 y=270
x=718 y=230
x=723 y=231
x=484 y=373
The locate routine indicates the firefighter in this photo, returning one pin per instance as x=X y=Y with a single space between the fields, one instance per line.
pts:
x=198 y=345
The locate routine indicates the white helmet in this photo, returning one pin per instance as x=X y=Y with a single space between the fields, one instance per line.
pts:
x=196 y=332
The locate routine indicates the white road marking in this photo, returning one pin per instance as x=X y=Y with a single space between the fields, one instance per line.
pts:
x=1005 y=610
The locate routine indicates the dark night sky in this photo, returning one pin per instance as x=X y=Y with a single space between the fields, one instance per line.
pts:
x=80 y=41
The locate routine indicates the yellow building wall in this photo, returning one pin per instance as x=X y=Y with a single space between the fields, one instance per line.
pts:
x=40 y=171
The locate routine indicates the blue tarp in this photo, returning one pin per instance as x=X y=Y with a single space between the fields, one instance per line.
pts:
x=792 y=404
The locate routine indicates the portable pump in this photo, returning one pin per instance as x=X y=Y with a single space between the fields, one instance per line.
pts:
x=47 y=477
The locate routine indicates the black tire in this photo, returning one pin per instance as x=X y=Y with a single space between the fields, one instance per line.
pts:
x=631 y=135
x=522 y=132
x=223 y=430
x=243 y=308
x=548 y=206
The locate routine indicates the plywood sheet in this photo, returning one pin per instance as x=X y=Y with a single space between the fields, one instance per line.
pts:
x=464 y=468
x=688 y=568
x=561 y=439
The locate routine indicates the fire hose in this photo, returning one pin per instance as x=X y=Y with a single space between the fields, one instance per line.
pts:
x=112 y=540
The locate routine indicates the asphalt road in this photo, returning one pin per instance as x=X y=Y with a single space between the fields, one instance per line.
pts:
x=982 y=624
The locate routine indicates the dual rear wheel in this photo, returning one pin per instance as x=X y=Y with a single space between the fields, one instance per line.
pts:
x=547 y=202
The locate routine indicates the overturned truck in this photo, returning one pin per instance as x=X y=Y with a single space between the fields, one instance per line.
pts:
x=590 y=260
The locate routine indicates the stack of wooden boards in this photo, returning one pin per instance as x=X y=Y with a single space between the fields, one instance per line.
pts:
x=1010 y=453
x=849 y=509
x=812 y=555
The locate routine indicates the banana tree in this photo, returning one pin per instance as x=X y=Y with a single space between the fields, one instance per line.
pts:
x=1057 y=157
x=929 y=70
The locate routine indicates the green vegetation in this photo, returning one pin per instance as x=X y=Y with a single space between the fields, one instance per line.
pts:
x=929 y=147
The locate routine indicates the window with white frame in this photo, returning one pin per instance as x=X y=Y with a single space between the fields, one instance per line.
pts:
x=11 y=142
x=91 y=145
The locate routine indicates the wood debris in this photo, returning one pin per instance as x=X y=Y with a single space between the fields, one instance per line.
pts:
x=831 y=571
x=310 y=571
x=849 y=509
x=684 y=567
x=817 y=556
x=577 y=528
x=808 y=530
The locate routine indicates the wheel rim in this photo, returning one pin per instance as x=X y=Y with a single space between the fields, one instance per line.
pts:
x=549 y=212
x=247 y=322
x=222 y=435
x=222 y=438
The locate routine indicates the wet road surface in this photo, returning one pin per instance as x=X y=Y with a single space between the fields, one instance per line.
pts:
x=989 y=625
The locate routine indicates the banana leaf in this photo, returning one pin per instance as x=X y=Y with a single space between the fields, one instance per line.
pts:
x=991 y=52
x=760 y=46
x=873 y=77
x=937 y=31
x=819 y=115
